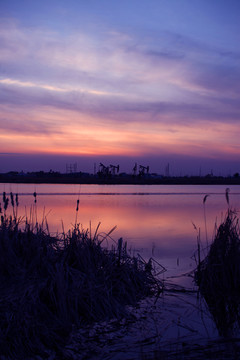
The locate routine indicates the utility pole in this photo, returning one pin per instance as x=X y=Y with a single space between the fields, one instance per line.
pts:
x=167 y=172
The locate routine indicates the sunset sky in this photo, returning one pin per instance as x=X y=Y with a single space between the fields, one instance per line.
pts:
x=146 y=81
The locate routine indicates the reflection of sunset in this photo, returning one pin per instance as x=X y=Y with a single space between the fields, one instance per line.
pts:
x=164 y=219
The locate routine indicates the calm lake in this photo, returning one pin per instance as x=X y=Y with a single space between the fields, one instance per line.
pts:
x=158 y=221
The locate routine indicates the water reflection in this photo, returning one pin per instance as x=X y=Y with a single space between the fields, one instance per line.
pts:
x=155 y=220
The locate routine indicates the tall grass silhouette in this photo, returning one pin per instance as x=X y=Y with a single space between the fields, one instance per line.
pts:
x=50 y=284
x=218 y=275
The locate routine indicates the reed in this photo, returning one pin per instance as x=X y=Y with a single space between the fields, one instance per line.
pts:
x=50 y=284
x=218 y=276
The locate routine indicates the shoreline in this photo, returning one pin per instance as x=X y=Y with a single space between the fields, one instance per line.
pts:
x=79 y=178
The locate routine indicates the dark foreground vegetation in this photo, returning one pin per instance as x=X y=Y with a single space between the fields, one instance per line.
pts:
x=218 y=277
x=50 y=285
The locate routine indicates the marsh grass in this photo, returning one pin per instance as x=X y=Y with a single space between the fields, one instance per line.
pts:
x=218 y=276
x=50 y=285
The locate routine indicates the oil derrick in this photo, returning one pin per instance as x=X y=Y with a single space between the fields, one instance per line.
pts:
x=143 y=170
x=167 y=171
x=103 y=170
x=71 y=168
x=114 y=169
x=135 y=170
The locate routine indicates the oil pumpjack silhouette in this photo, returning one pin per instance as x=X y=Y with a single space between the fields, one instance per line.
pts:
x=143 y=170
x=113 y=170
x=108 y=171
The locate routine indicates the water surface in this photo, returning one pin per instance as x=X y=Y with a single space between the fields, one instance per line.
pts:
x=162 y=221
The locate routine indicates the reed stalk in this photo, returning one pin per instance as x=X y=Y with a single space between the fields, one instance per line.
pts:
x=50 y=284
x=218 y=276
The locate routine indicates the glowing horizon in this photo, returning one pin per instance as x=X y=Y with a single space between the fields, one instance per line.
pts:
x=79 y=81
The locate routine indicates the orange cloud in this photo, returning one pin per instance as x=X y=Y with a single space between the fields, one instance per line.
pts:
x=47 y=129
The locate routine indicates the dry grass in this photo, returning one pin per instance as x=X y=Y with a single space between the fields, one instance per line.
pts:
x=50 y=285
x=210 y=350
x=218 y=276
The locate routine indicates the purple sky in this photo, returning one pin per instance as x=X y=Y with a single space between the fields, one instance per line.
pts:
x=153 y=82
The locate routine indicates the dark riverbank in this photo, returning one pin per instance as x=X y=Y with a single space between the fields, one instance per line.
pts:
x=128 y=179
x=53 y=285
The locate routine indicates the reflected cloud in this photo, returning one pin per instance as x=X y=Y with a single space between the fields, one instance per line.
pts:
x=164 y=220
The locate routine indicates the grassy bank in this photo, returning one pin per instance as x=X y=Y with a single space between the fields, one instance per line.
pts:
x=58 y=293
x=50 y=285
x=218 y=276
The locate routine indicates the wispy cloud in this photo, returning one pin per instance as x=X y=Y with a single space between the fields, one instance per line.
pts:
x=110 y=62
x=118 y=108
x=117 y=92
